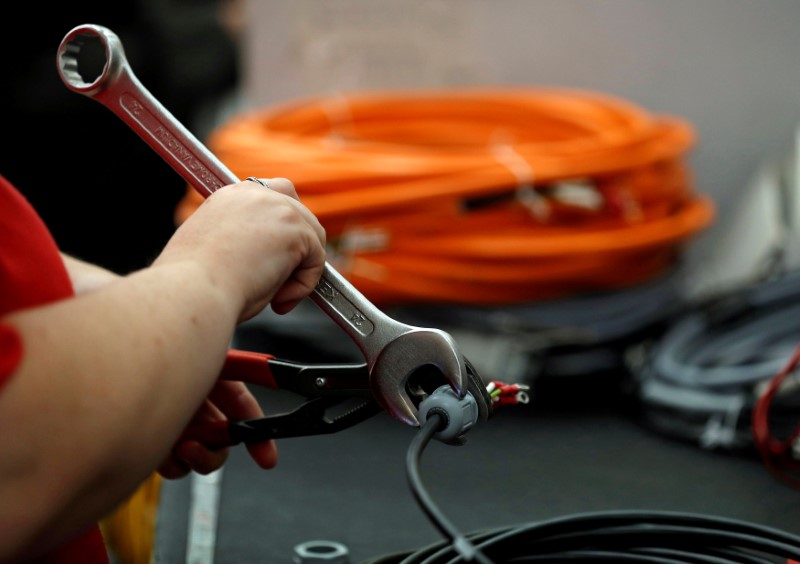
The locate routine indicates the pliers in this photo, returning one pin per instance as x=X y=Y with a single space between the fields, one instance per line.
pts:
x=325 y=386
x=327 y=389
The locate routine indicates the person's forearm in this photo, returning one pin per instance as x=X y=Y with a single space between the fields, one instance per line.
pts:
x=85 y=276
x=115 y=375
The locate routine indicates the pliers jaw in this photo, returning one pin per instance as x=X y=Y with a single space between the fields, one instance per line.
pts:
x=326 y=387
x=313 y=417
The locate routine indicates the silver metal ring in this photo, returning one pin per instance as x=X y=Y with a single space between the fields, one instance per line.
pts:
x=321 y=551
x=264 y=183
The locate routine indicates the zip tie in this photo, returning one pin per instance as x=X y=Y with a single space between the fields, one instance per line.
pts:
x=526 y=193
x=338 y=112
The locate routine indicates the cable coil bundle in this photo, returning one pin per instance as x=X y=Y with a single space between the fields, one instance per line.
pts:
x=703 y=378
x=588 y=334
x=642 y=537
x=481 y=196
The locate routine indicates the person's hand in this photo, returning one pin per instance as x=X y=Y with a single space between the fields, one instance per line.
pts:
x=198 y=447
x=228 y=401
x=258 y=245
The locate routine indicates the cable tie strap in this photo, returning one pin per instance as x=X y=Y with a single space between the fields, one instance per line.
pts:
x=578 y=192
x=463 y=547
x=526 y=192
x=363 y=239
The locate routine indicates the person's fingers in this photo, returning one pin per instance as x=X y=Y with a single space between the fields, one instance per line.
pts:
x=236 y=401
x=189 y=453
x=286 y=187
x=282 y=185
x=199 y=458
x=295 y=289
x=265 y=453
x=173 y=468
x=255 y=242
x=207 y=412
x=284 y=306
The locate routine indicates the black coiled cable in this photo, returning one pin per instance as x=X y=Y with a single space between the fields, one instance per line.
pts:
x=621 y=536
x=648 y=537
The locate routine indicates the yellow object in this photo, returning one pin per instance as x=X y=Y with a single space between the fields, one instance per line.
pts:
x=129 y=531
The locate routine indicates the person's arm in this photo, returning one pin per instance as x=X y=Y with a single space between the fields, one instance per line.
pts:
x=85 y=276
x=110 y=378
x=231 y=400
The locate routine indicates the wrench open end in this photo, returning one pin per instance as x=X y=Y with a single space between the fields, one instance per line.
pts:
x=85 y=59
x=418 y=348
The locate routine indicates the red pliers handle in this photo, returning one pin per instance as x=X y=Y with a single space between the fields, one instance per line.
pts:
x=324 y=386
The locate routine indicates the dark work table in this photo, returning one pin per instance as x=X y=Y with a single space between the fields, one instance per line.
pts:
x=577 y=447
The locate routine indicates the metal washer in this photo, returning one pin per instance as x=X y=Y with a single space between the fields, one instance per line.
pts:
x=314 y=551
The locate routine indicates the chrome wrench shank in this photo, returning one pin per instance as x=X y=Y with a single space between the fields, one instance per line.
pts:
x=393 y=350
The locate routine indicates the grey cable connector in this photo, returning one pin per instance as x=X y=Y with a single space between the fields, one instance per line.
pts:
x=458 y=414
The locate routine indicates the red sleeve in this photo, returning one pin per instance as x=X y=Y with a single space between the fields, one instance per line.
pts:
x=86 y=548
x=32 y=273
x=10 y=352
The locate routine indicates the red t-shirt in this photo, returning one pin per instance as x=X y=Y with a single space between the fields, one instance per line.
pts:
x=32 y=273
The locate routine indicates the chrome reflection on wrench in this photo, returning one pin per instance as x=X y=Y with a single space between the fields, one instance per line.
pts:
x=393 y=350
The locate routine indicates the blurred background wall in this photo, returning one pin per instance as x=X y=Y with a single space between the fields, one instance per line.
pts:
x=728 y=66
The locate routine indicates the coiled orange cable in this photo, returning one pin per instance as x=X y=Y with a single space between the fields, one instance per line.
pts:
x=488 y=196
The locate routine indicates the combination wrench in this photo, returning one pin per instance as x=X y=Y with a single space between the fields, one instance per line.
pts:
x=394 y=351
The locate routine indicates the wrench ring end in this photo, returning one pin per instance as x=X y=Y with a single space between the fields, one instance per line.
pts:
x=85 y=52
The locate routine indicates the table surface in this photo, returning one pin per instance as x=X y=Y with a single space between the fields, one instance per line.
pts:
x=560 y=455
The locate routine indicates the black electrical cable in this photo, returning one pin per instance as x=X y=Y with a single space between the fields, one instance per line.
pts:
x=646 y=537
x=622 y=536
x=458 y=541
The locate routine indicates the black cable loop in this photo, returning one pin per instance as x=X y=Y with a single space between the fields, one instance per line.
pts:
x=628 y=536
x=647 y=537
x=458 y=541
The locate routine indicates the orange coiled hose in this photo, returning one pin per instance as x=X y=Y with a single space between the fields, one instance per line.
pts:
x=489 y=196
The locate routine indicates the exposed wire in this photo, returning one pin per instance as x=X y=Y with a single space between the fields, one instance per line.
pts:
x=507 y=394
x=461 y=545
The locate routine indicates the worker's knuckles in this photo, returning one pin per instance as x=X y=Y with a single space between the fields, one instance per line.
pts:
x=199 y=458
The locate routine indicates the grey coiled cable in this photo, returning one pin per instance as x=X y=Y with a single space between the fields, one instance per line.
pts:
x=700 y=379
